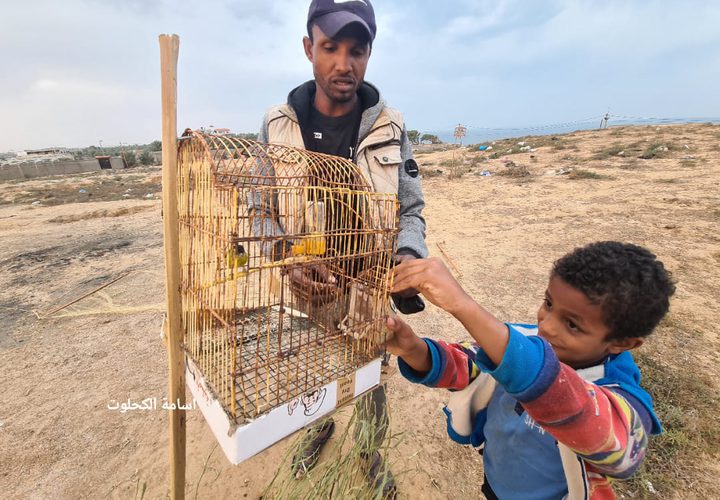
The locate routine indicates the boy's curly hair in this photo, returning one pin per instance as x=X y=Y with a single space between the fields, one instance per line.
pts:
x=629 y=284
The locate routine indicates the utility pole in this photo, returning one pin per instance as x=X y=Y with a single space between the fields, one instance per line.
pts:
x=604 y=121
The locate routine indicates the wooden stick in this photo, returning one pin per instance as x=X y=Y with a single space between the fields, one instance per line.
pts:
x=458 y=273
x=84 y=296
x=169 y=48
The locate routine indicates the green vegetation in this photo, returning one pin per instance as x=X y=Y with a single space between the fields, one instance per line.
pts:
x=514 y=170
x=619 y=149
x=580 y=174
x=430 y=172
x=528 y=144
x=459 y=171
x=631 y=164
x=609 y=152
x=413 y=136
x=341 y=470
x=687 y=406
x=657 y=150
x=430 y=138
x=134 y=150
x=146 y=158
x=130 y=158
x=91 y=152
x=154 y=146
x=246 y=136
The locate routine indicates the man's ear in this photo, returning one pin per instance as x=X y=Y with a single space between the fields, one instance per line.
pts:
x=307 y=45
x=621 y=345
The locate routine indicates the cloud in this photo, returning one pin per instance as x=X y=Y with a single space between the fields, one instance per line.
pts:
x=89 y=69
x=59 y=89
x=514 y=62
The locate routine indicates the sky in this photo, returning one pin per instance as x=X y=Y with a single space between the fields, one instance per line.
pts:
x=77 y=72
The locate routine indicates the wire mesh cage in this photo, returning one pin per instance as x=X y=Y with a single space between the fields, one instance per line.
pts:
x=286 y=258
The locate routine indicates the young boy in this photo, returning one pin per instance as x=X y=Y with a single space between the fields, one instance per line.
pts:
x=557 y=405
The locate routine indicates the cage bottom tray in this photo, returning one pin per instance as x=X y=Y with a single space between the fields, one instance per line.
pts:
x=240 y=442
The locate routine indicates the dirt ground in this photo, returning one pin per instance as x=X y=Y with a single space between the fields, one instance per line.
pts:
x=500 y=224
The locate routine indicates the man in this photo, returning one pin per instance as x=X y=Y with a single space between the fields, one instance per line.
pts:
x=338 y=113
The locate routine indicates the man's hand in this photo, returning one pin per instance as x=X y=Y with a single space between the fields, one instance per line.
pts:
x=405 y=344
x=315 y=283
x=399 y=259
x=433 y=280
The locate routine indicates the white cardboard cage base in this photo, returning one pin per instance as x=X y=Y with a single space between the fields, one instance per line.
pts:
x=240 y=442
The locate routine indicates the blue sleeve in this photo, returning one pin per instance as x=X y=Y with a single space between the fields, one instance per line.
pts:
x=527 y=369
x=430 y=378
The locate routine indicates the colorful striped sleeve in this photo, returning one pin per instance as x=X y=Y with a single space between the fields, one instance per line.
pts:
x=454 y=366
x=595 y=422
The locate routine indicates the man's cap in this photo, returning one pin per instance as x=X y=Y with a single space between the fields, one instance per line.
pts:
x=331 y=16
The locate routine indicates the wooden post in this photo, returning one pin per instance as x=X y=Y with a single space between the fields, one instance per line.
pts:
x=169 y=46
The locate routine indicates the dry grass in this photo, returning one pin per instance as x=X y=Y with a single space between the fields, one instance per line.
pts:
x=609 y=152
x=658 y=150
x=514 y=170
x=427 y=172
x=687 y=406
x=617 y=149
x=97 y=186
x=340 y=472
x=582 y=174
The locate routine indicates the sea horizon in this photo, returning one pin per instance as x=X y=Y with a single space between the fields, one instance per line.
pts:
x=477 y=134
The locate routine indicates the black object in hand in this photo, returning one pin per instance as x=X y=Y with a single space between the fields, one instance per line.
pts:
x=408 y=305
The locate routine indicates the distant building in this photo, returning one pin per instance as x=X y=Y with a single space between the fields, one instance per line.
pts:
x=215 y=130
x=45 y=155
x=48 y=151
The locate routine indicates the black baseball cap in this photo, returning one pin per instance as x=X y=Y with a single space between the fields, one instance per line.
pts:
x=331 y=16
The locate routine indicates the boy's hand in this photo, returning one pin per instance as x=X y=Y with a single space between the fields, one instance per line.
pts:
x=408 y=346
x=433 y=280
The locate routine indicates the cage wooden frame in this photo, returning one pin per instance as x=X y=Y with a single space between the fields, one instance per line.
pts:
x=252 y=218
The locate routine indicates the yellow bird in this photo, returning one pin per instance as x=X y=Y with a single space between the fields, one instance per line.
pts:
x=236 y=256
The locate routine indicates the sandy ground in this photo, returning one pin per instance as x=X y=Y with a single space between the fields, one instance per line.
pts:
x=58 y=439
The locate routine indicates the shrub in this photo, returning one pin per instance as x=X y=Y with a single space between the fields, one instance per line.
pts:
x=130 y=158
x=146 y=158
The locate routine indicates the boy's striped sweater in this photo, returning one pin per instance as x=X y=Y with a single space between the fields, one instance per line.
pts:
x=599 y=416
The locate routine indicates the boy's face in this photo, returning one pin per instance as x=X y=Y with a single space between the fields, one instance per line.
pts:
x=575 y=328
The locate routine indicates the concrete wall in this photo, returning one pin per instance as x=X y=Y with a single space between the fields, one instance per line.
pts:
x=30 y=170
x=117 y=163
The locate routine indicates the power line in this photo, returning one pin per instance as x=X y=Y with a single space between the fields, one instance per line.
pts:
x=535 y=127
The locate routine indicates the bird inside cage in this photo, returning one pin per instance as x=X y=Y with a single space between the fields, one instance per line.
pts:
x=322 y=233
x=286 y=263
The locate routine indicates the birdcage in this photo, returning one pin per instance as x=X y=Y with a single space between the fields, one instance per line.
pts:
x=286 y=258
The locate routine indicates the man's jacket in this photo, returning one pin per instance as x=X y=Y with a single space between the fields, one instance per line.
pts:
x=383 y=153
